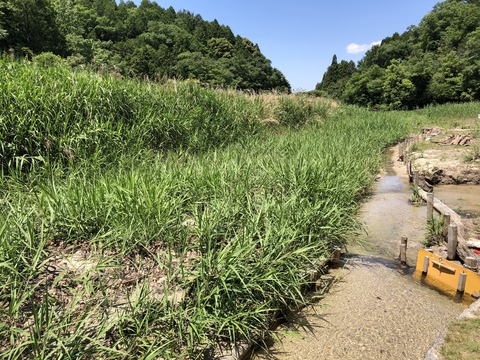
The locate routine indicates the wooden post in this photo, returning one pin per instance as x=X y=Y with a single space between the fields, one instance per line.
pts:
x=426 y=262
x=462 y=280
x=430 y=198
x=336 y=257
x=452 y=242
x=409 y=170
x=415 y=178
x=403 y=250
x=471 y=263
x=446 y=220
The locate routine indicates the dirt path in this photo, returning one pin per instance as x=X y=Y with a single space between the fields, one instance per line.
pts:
x=376 y=310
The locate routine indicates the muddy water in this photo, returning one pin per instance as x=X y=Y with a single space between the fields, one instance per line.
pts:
x=463 y=199
x=376 y=310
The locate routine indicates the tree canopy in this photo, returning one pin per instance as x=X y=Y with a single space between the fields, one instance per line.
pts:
x=436 y=61
x=142 y=41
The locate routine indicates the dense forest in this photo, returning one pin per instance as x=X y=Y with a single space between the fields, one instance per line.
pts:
x=139 y=41
x=437 y=61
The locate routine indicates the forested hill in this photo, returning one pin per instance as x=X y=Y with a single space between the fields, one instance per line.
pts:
x=145 y=41
x=437 y=61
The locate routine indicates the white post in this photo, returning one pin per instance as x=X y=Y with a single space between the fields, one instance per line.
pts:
x=462 y=280
x=426 y=262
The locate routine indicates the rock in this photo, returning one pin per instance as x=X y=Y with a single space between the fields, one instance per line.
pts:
x=476 y=294
x=471 y=263
x=464 y=141
x=191 y=223
x=461 y=140
x=473 y=243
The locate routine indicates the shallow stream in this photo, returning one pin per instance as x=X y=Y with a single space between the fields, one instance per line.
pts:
x=376 y=310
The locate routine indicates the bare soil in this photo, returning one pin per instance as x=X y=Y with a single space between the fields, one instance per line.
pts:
x=448 y=156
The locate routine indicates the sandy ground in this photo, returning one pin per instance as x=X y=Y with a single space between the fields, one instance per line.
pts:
x=440 y=162
x=376 y=310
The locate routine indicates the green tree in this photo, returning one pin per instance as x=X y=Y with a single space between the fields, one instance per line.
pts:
x=335 y=78
x=220 y=47
x=448 y=25
x=447 y=82
x=398 y=90
x=366 y=88
x=471 y=72
x=31 y=24
x=145 y=41
x=278 y=82
x=3 y=32
x=330 y=76
x=396 y=47
x=436 y=61
x=192 y=65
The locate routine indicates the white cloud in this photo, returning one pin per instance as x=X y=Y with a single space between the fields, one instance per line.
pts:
x=357 y=49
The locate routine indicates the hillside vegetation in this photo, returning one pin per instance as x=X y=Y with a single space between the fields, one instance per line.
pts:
x=145 y=221
x=144 y=41
x=437 y=61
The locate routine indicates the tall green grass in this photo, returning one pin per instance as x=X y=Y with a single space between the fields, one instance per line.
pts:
x=448 y=115
x=60 y=114
x=117 y=248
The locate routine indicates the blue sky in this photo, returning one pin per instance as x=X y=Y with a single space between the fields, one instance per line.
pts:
x=300 y=37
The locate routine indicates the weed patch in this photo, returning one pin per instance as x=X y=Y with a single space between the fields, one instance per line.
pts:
x=462 y=340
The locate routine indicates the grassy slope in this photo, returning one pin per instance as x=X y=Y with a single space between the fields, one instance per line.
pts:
x=187 y=222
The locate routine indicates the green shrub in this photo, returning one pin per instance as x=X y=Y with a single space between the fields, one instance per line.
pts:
x=47 y=59
x=435 y=231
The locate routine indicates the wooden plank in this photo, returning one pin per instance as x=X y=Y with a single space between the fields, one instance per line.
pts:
x=462 y=247
x=442 y=267
x=430 y=201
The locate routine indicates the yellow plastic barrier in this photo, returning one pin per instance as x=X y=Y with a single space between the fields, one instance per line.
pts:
x=446 y=275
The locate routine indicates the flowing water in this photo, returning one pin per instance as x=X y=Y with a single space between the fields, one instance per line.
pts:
x=376 y=310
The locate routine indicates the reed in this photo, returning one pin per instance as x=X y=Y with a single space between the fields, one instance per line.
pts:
x=59 y=114
x=166 y=220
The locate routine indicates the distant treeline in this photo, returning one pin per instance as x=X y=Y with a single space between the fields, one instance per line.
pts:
x=140 y=41
x=437 y=61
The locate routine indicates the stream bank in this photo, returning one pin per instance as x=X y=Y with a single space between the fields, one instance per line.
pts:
x=376 y=310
